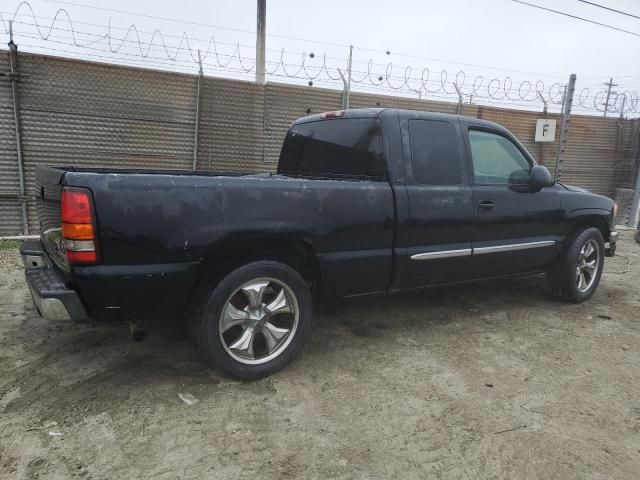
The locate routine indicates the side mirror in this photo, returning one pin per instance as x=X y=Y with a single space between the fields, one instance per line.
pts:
x=540 y=178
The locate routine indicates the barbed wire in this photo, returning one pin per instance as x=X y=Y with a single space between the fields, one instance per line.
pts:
x=309 y=67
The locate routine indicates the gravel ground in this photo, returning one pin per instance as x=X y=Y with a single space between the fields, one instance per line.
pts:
x=496 y=380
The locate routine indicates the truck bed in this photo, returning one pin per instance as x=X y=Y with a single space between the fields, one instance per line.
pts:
x=163 y=227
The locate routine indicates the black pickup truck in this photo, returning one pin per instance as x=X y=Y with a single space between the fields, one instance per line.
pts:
x=364 y=202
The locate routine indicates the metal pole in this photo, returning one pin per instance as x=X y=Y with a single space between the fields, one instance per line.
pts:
x=346 y=82
x=606 y=102
x=14 y=75
x=348 y=92
x=635 y=203
x=564 y=128
x=261 y=41
x=544 y=110
x=344 y=90
x=197 y=127
x=459 y=109
x=564 y=97
x=624 y=100
x=544 y=114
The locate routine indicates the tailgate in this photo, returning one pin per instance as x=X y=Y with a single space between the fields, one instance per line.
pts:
x=49 y=184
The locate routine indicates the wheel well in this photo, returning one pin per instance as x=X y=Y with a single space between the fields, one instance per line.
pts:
x=587 y=222
x=227 y=256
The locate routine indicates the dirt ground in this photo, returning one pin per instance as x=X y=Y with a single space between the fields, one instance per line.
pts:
x=497 y=380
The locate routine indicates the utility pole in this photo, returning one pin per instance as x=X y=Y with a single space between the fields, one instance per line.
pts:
x=349 y=76
x=609 y=86
x=260 y=41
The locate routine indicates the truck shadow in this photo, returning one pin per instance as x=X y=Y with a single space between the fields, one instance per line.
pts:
x=80 y=370
x=362 y=316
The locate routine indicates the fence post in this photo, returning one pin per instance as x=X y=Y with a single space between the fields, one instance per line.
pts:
x=460 y=99
x=197 y=127
x=635 y=203
x=346 y=82
x=564 y=128
x=609 y=86
x=624 y=100
x=544 y=115
x=14 y=76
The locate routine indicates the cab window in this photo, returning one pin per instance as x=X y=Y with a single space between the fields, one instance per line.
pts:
x=496 y=160
x=347 y=148
x=435 y=153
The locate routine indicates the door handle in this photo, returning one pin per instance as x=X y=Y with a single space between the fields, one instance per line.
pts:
x=485 y=205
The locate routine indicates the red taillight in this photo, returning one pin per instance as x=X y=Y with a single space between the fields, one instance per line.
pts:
x=75 y=205
x=81 y=257
x=78 y=231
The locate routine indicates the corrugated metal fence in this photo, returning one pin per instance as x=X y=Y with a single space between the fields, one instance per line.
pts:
x=82 y=113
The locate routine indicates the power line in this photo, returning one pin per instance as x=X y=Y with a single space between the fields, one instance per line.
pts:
x=286 y=37
x=576 y=17
x=154 y=17
x=610 y=9
x=376 y=76
x=32 y=15
x=62 y=13
x=186 y=22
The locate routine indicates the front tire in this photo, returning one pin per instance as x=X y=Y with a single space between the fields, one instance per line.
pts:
x=256 y=320
x=576 y=274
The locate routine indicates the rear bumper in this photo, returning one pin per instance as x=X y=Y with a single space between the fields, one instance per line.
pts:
x=51 y=296
x=610 y=245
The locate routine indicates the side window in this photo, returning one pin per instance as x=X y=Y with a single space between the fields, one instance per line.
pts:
x=435 y=153
x=348 y=147
x=496 y=160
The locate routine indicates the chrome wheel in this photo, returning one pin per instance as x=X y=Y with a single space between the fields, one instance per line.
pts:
x=258 y=321
x=588 y=264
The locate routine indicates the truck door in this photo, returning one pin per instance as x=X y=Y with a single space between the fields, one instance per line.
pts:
x=515 y=229
x=433 y=242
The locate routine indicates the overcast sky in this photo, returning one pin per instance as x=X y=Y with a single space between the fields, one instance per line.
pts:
x=492 y=38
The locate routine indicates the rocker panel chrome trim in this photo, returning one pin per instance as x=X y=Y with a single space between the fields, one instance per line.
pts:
x=464 y=252
x=513 y=247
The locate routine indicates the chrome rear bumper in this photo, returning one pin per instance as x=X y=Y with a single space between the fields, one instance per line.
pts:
x=51 y=296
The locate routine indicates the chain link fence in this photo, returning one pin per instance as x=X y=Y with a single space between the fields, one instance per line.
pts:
x=75 y=112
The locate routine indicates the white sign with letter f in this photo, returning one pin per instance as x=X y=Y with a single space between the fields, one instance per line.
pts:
x=545 y=130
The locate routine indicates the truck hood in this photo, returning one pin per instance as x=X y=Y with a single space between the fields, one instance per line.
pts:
x=572 y=188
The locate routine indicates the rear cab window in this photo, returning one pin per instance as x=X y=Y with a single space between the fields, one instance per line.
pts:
x=334 y=148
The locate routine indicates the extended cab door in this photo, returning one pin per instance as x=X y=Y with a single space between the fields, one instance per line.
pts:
x=515 y=229
x=433 y=241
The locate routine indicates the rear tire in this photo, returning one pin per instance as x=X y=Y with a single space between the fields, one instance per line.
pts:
x=255 y=320
x=576 y=274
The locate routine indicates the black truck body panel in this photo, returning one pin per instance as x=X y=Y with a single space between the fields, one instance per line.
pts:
x=159 y=232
